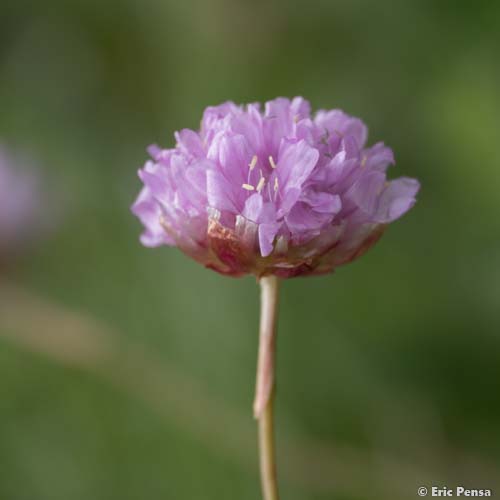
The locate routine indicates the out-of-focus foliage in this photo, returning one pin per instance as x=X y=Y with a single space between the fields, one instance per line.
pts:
x=390 y=364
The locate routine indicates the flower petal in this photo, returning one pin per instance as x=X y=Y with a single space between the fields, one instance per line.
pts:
x=366 y=191
x=336 y=121
x=396 y=199
x=322 y=202
x=189 y=142
x=378 y=157
x=220 y=192
x=296 y=162
x=267 y=234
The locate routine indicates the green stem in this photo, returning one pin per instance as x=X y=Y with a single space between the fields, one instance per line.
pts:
x=264 y=394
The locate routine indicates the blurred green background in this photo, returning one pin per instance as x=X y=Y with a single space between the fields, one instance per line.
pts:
x=128 y=373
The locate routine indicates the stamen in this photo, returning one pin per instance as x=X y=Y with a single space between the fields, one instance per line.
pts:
x=276 y=184
x=363 y=160
x=260 y=185
x=253 y=162
x=271 y=161
x=248 y=187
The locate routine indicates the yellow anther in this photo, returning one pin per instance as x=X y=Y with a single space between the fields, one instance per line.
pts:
x=253 y=162
x=260 y=185
x=248 y=187
x=363 y=160
x=276 y=184
x=271 y=161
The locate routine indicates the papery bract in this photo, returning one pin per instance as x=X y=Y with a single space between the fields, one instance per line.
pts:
x=276 y=191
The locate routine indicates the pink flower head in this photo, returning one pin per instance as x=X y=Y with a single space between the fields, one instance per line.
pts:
x=276 y=191
x=20 y=203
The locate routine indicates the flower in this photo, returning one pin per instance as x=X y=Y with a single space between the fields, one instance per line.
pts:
x=20 y=203
x=272 y=192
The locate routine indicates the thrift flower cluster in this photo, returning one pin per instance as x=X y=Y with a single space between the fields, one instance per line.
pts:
x=273 y=191
x=19 y=203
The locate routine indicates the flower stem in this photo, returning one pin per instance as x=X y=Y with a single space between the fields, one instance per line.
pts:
x=264 y=393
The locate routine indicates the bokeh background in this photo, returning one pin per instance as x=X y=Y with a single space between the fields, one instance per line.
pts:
x=128 y=373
